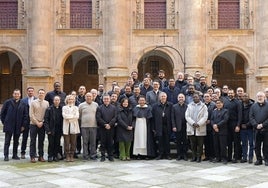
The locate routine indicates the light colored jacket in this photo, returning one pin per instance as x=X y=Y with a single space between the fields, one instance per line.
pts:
x=201 y=118
x=70 y=120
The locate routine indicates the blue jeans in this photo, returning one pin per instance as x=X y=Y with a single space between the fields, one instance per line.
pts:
x=247 y=139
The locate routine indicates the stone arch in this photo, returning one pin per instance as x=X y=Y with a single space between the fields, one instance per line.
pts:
x=63 y=55
x=80 y=66
x=230 y=66
x=244 y=54
x=10 y=72
x=171 y=57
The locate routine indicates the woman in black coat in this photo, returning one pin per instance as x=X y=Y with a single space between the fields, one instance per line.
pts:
x=124 y=129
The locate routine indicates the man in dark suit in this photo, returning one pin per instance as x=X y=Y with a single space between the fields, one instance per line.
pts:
x=27 y=100
x=179 y=127
x=14 y=116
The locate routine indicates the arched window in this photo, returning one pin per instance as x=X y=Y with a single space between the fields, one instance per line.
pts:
x=81 y=13
x=9 y=14
x=228 y=14
x=155 y=14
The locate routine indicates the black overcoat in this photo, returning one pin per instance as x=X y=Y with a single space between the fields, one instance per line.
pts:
x=178 y=116
x=157 y=121
x=124 y=119
x=14 y=118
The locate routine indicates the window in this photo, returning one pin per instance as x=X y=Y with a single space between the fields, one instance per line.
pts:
x=8 y=14
x=92 y=67
x=81 y=14
x=217 y=67
x=155 y=14
x=154 y=68
x=228 y=14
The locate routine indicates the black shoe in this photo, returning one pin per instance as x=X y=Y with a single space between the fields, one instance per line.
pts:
x=93 y=158
x=15 y=157
x=193 y=159
x=234 y=161
x=250 y=161
x=266 y=163
x=168 y=157
x=22 y=156
x=111 y=159
x=85 y=158
x=198 y=159
x=159 y=157
x=224 y=161
x=178 y=158
x=49 y=159
x=243 y=161
x=6 y=158
x=258 y=162
x=205 y=159
x=185 y=158
x=56 y=159
x=102 y=159
x=216 y=160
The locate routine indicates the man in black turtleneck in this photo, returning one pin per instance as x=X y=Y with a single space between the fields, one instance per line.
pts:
x=56 y=92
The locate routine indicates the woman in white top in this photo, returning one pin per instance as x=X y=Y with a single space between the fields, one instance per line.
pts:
x=70 y=115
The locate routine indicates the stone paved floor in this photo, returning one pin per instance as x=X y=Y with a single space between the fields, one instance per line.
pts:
x=119 y=174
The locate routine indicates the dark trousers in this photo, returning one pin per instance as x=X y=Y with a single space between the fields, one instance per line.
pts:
x=53 y=144
x=197 y=145
x=247 y=139
x=106 y=138
x=182 y=143
x=116 y=143
x=8 y=137
x=220 y=146
x=69 y=144
x=34 y=132
x=261 y=145
x=209 y=146
x=163 y=143
x=234 y=142
x=25 y=135
x=79 y=142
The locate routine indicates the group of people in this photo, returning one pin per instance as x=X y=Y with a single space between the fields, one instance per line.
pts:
x=140 y=120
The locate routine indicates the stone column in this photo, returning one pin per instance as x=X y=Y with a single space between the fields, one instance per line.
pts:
x=261 y=19
x=39 y=34
x=192 y=37
x=117 y=32
x=39 y=42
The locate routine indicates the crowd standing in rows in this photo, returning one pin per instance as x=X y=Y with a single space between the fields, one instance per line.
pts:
x=139 y=120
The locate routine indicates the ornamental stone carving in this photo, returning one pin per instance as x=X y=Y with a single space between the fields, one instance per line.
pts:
x=22 y=15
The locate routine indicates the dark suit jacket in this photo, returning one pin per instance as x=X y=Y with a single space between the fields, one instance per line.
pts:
x=25 y=100
x=220 y=117
x=14 y=118
x=178 y=116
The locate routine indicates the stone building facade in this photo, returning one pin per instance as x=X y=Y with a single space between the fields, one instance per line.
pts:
x=87 y=42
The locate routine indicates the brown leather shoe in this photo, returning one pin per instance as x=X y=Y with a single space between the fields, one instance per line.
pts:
x=71 y=158
x=41 y=159
x=33 y=160
x=68 y=158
